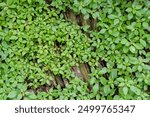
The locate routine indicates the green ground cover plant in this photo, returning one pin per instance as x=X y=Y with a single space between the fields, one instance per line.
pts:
x=74 y=49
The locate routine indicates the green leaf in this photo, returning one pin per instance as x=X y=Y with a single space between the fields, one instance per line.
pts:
x=104 y=70
x=129 y=9
x=92 y=81
x=138 y=46
x=140 y=68
x=95 y=88
x=111 y=16
x=114 y=73
x=125 y=90
x=115 y=33
x=29 y=1
x=10 y=1
x=106 y=89
x=95 y=15
x=13 y=37
x=121 y=84
x=86 y=16
x=2 y=4
x=116 y=21
x=143 y=42
x=110 y=2
x=85 y=27
x=19 y=97
x=83 y=11
x=120 y=79
x=103 y=80
x=31 y=95
x=135 y=90
x=125 y=49
x=145 y=25
x=87 y=2
x=79 y=88
x=138 y=6
x=133 y=60
x=102 y=31
x=124 y=41
x=131 y=27
x=130 y=16
x=12 y=94
x=132 y=49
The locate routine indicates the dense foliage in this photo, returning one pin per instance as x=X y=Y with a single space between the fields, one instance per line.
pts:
x=74 y=49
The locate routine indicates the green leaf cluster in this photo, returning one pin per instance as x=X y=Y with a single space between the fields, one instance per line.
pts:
x=45 y=56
